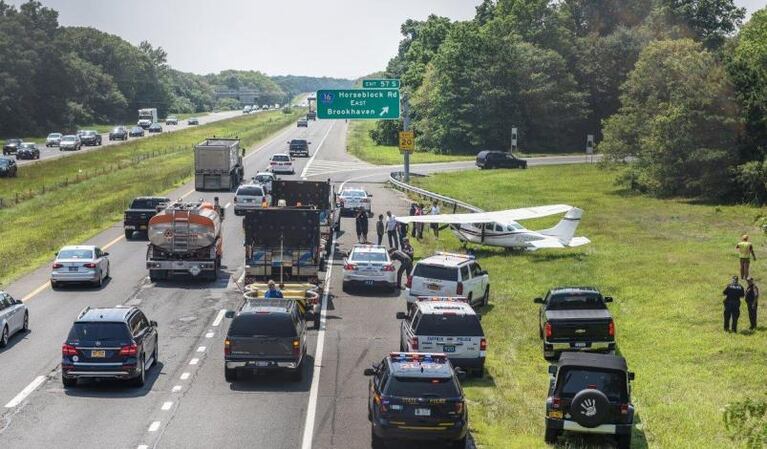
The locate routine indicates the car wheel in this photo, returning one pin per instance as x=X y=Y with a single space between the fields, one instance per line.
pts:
x=459 y=444
x=376 y=442
x=297 y=375
x=470 y=299
x=25 y=326
x=69 y=382
x=4 y=337
x=100 y=282
x=230 y=374
x=623 y=441
x=550 y=436
x=486 y=297
x=344 y=286
x=140 y=380
x=155 y=354
x=479 y=372
x=54 y=285
x=317 y=320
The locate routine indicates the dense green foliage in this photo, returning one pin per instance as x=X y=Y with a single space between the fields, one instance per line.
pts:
x=293 y=85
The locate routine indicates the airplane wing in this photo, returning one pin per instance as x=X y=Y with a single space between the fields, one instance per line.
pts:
x=501 y=216
x=556 y=243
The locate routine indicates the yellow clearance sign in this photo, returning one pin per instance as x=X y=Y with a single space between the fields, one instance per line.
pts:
x=406 y=141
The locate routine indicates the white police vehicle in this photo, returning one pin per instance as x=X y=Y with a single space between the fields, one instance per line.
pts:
x=369 y=266
x=447 y=325
x=449 y=274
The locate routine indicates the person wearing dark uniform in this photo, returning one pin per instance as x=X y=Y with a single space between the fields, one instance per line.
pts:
x=732 y=294
x=405 y=263
x=752 y=302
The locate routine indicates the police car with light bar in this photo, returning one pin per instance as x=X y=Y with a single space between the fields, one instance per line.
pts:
x=448 y=325
x=417 y=396
x=449 y=274
x=369 y=266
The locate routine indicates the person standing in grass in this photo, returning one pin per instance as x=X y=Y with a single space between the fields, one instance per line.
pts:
x=435 y=211
x=746 y=252
x=380 y=229
x=752 y=301
x=732 y=294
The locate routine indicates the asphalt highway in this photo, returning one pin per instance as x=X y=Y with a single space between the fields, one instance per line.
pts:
x=186 y=403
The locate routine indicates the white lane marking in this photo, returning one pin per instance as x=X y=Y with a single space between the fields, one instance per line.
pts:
x=315 y=388
x=227 y=205
x=210 y=334
x=143 y=446
x=185 y=376
x=154 y=427
x=201 y=349
x=316 y=152
x=176 y=388
x=167 y=405
x=219 y=317
x=34 y=385
x=194 y=361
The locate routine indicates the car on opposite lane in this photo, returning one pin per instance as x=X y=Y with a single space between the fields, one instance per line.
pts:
x=90 y=138
x=118 y=133
x=14 y=317
x=171 y=120
x=281 y=163
x=53 y=139
x=8 y=168
x=155 y=128
x=70 y=142
x=416 y=396
x=193 y=121
x=350 y=199
x=80 y=263
x=136 y=131
x=10 y=146
x=112 y=343
x=449 y=274
x=498 y=159
x=28 y=150
x=369 y=266
x=448 y=325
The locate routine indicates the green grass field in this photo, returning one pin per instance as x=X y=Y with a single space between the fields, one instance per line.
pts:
x=31 y=231
x=360 y=144
x=665 y=262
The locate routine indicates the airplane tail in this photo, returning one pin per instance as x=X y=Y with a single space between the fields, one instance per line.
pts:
x=565 y=229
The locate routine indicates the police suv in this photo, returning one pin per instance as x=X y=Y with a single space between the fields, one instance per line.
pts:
x=448 y=325
x=449 y=274
x=416 y=397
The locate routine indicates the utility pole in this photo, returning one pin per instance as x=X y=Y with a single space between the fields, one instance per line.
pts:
x=406 y=127
x=590 y=148
x=513 y=140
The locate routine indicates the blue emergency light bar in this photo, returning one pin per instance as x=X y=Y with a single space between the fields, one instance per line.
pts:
x=433 y=357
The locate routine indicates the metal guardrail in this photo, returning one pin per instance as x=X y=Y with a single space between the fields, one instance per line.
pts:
x=395 y=180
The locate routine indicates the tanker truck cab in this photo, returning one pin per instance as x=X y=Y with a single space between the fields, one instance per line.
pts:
x=185 y=238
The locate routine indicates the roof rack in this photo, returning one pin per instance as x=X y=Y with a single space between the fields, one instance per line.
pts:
x=83 y=312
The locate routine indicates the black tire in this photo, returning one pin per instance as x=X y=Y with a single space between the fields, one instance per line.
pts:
x=344 y=286
x=590 y=408
x=4 y=336
x=550 y=436
x=156 y=353
x=486 y=297
x=297 y=375
x=100 y=282
x=157 y=275
x=128 y=234
x=317 y=320
x=54 y=285
x=25 y=326
x=376 y=442
x=471 y=300
x=479 y=372
x=459 y=444
x=140 y=380
x=623 y=441
x=69 y=382
x=230 y=374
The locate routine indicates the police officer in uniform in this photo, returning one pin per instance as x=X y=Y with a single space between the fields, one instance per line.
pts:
x=732 y=294
x=752 y=302
x=405 y=263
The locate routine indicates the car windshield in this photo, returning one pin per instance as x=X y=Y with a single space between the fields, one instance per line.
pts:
x=12 y=141
x=280 y=158
x=27 y=145
x=147 y=203
x=75 y=254
x=250 y=191
x=262 y=178
x=449 y=325
x=119 y=129
x=611 y=383
x=422 y=387
x=54 y=135
x=5 y=162
x=137 y=129
x=69 y=138
x=435 y=272
x=262 y=324
x=155 y=125
x=586 y=301
x=369 y=256
x=298 y=142
x=99 y=332
x=89 y=133
x=353 y=194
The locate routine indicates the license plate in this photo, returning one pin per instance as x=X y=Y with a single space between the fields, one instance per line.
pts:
x=422 y=412
x=72 y=268
x=579 y=345
x=142 y=227
x=557 y=414
x=434 y=287
x=99 y=353
x=368 y=282
x=262 y=364
x=448 y=348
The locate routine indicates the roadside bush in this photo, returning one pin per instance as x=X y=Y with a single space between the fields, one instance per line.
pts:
x=227 y=104
x=746 y=421
x=751 y=180
x=386 y=132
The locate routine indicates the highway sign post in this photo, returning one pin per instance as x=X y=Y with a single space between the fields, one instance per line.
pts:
x=358 y=104
x=590 y=146
x=513 y=140
x=381 y=84
x=406 y=141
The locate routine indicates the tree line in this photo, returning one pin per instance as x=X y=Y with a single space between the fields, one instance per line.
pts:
x=55 y=78
x=678 y=86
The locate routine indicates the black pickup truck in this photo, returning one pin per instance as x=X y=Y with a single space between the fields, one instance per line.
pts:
x=575 y=319
x=140 y=211
x=299 y=147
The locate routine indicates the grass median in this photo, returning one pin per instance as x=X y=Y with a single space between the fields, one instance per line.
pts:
x=360 y=144
x=666 y=263
x=32 y=230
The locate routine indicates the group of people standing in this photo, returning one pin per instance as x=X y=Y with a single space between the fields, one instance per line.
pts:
x=734 y=292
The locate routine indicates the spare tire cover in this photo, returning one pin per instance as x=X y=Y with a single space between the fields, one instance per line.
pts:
x=590 y=408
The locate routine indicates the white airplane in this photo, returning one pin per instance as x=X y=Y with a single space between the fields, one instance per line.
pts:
x=501 y=228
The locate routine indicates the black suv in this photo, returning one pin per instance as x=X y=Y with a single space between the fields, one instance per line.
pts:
x=111 y=342
x=299 y=147
x=90 y=138
x=11 y=146
x=575 y=319
x=265 y=335
x=118 y=133
x=8 y=168
x=499 y=159
x=417 y=396
x=590 y=393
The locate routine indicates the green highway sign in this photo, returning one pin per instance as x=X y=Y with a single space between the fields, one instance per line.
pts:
x=380 y=84
x=358 y=104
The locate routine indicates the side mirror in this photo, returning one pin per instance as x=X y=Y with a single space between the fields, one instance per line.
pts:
x=479 y=317
x=104 y=254
x=308 y=143
x=461 y=374
x=287 y=141
x=401 y=315
x=631 y=375
x=538 y=300
x=229 y=314
x=369 y=372
x=483 y=273
x=55 y=254
x=553 y=370
x=608 y=299
x=153 y=323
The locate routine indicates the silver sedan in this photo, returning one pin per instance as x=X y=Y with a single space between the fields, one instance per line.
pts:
x=81 y=263
x=14 y=317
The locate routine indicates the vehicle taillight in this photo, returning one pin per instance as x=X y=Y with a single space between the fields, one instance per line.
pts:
x=68 y=350
x=409 y=282
x=611 y=328
x=89 y=265
x=483 y=344
x=556 y=402
x=227 y=347
x=459 y=289
x=57 y=265
x=350 y=267
x=458 y=407
x=388 y=267
x=130 y=350
x=414 y=343
x=624 y=409
x=296 y=346
x=547 y=329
